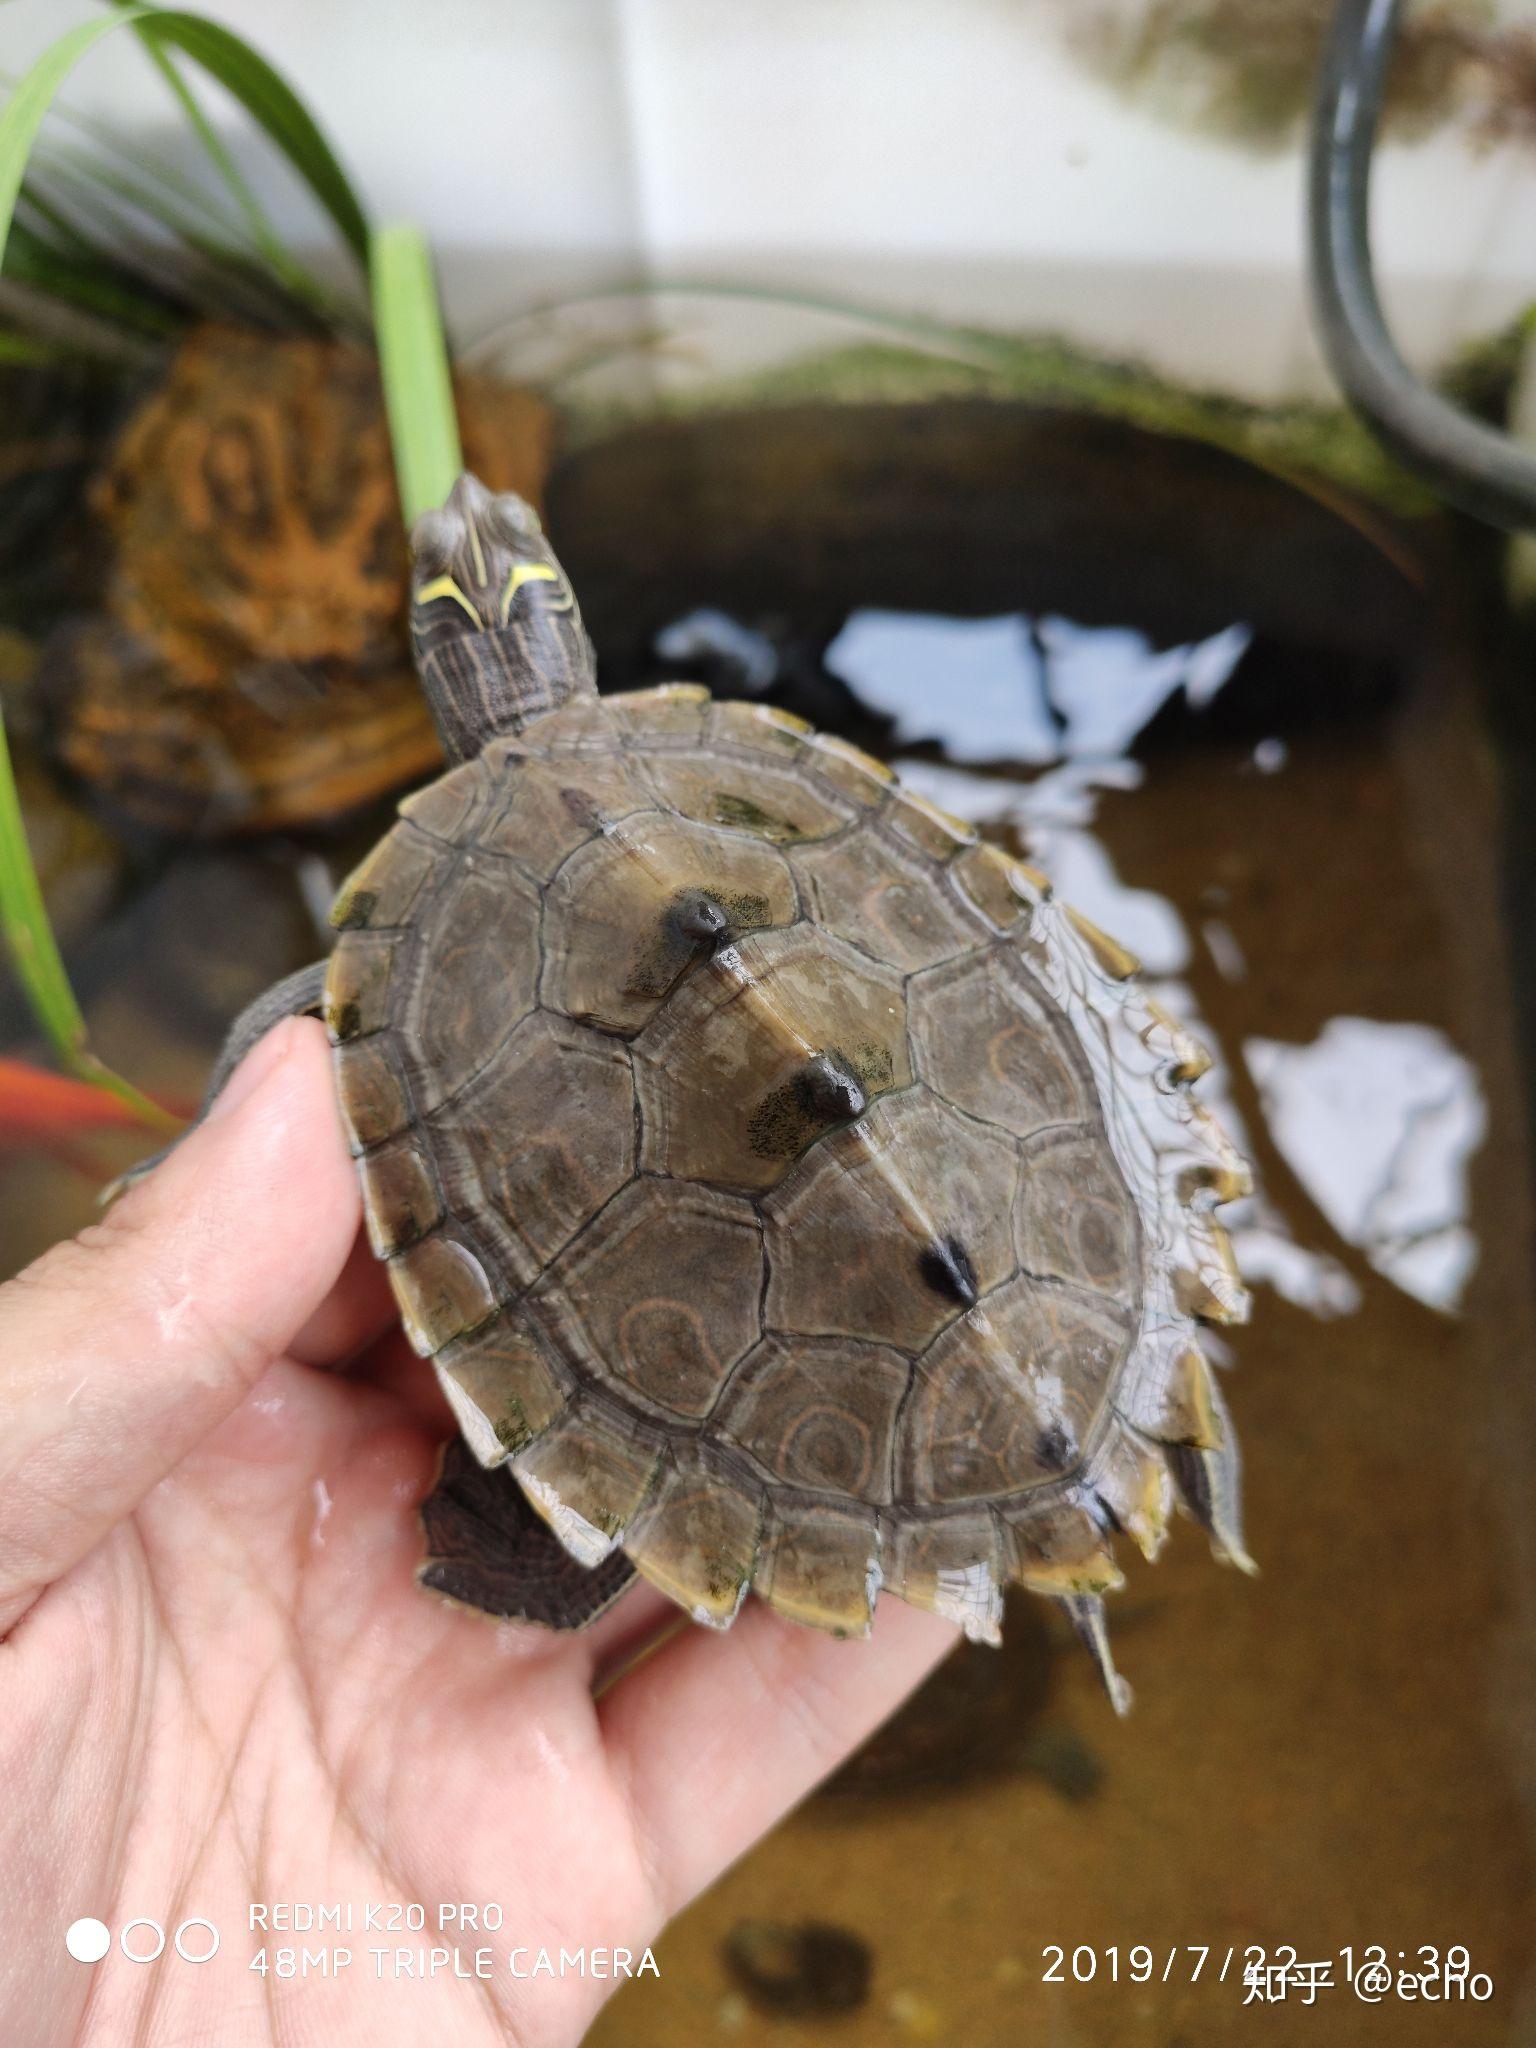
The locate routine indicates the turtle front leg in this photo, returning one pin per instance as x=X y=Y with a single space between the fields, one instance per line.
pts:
x=296 y=995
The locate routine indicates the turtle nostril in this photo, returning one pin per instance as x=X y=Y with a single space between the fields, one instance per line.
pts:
x=831 y=1093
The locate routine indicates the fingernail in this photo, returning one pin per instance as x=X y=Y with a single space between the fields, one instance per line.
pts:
x=258 y=1066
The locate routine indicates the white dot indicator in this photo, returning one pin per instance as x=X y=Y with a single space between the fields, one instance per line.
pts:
x=87 y=1940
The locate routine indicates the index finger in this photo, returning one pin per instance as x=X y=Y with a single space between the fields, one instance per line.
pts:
x=715 y=1737
x=120 y=1350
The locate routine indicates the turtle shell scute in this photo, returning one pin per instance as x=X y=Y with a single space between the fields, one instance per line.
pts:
x=781 y=1180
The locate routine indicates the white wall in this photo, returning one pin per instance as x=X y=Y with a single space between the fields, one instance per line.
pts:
x=944 y=155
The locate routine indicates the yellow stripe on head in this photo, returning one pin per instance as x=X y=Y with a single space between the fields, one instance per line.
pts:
x=444 y=586
x=524 y=572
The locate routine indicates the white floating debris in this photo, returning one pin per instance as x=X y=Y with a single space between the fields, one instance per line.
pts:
x=1221 y=942
x=979 y=799
x=1270 y=756
x=1268 y=1256
x=972 y=684
x=1378 y=1122
x=1068 y=795
x=1108 y=684
x=709 y=634
x=1083 y=875
x=1001 y=689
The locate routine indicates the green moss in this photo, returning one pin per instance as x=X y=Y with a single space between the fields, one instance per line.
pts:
x=1246 y=70
x=1321 y=444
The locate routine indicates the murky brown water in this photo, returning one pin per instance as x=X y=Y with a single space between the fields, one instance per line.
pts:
x=1337 y=1754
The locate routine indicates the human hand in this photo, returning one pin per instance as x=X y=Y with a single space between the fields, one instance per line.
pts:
x=220 y=1684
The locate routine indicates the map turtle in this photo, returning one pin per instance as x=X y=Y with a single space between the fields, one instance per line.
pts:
x=791 y=1195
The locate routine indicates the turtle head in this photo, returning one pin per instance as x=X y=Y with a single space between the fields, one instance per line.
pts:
x=494 y=625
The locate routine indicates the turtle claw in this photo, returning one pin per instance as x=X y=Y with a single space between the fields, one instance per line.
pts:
x=1085 y=1611
x=487 y=1549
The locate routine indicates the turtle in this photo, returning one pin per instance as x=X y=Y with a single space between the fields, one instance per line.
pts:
x=246 y=669
x=791 y=1195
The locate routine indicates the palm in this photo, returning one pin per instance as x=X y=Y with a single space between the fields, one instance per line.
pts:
x=240 y=1696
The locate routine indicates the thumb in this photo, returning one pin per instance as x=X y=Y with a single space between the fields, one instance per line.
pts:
x=121 y=1349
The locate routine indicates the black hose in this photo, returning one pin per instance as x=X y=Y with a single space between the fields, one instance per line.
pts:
x=1477 y=468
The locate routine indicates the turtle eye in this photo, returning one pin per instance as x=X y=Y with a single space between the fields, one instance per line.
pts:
x=512 y=518
x=432 y=541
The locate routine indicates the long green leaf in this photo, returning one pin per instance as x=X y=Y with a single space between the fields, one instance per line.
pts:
x=30 y=941
x=23 y=913
x=413 y=362
x=78 y=280
x=271 y=103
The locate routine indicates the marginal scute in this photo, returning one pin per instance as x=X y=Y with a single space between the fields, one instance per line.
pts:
x=476 y=980
x=851 y=772
x=617 y=930
x=538 y=1141
x=442 y=1292
x=955 y=1567
x=1007 y=1397
x=1207 y=1284
x=1184 y=1058
x=1060 y=1549
x=922 y=824
x=400 y=1197
x=585 y=725
x=697 y=1537
x=383 y=891
x=722 y=1069
x=587 y=1476
x=1031 y=884
x=501 y=1388
x=357 y=981
x=370 y=1091
x=1112 y=958
x=1212 y=1169
x=987 y=879
x=820 y=1565
x=1209 y=1487
x=672 y=715
x=659 y=1294
x=854 y=1234
x=1173 y=1398
x=817 y=1415
x=986 y=1036
x=760 y=726
x=881 y=898
x=1131 y=1479
x=1075 y=1219
x=444 y=808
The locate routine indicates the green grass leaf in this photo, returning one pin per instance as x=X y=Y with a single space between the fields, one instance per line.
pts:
x=413 y=361
x=269 y=100
x=276 y=109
